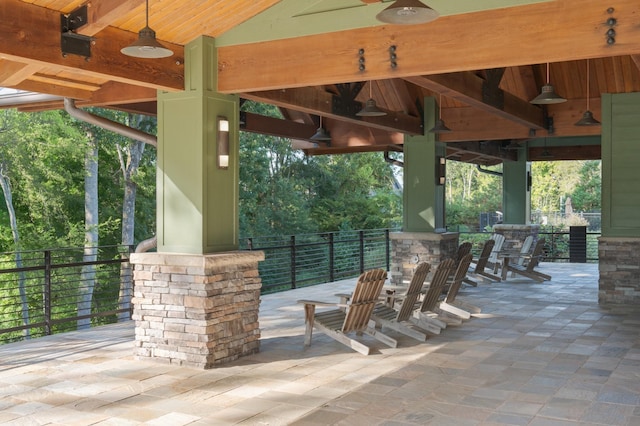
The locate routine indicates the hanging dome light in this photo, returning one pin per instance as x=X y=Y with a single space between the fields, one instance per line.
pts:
x=321 y=135
x=146 y=46
x=587 y=117
x=407 y=12
x=548 y=94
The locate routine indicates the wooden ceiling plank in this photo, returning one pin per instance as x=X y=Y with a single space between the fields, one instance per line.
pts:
x=563 y=30
x=468 y=88
x=37 y=42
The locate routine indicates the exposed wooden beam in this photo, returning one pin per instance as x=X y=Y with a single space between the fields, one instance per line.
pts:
x=256 y=123
x=100 y=14
x=575 y=152
x=472 y=90
x=37 y=42
x=320 y=102
x=61 y=81
x=345 y=150
x=110 y=94
x=563 y=30
x=55 y=89
x=13 y=73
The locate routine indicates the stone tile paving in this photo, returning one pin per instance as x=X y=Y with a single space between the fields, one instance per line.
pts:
x=539 y=354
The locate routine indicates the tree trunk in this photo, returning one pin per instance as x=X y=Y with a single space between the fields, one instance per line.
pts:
x=130 y=156
x=88 y=274
x=6 y=190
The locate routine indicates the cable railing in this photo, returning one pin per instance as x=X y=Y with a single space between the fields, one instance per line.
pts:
x=58 y=290
x=53 y=291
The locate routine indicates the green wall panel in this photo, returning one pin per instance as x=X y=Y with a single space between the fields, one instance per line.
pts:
x=620 y=160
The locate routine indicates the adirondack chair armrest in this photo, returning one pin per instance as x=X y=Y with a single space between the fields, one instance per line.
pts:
x=326 y=304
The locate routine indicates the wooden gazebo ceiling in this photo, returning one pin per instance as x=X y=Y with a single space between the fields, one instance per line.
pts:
x=304 y=56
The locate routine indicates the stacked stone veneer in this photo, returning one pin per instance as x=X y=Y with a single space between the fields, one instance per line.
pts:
x=619 y=260
x=196 y=310
x=514 y=235
x=409 y=248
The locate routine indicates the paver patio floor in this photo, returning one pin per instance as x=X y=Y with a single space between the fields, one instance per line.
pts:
x=539 y=354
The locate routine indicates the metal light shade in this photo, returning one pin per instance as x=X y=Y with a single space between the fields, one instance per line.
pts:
x=587 y=120
x=407 y=12
x=440 y=127
x=321 y=135
x=548 y=96
x=146 y=46
x=370 y=110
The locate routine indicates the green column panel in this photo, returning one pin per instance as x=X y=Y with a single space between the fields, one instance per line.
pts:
x=197 y=202
x=516 y=191
x=423 y=197
x=620 y=159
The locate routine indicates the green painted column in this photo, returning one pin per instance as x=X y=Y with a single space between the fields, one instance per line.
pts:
x=423 y=195
x=197 y=202
x=620 y=160
x=516 y=191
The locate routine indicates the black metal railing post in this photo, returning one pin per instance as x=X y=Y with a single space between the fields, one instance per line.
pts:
x=47 y=292
x=387 y=240
x=332 y=276
x=293 y=261
x=361 y=237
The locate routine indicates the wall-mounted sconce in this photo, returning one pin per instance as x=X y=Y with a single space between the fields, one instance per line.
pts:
x=441 y=170
x=223 y=143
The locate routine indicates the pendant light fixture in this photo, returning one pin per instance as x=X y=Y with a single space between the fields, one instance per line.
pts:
x=321 y=135
x=407 y=12
x=440 y=127
x=587 y=117
x=548 y=94
x=146 y=46
x=370 y=108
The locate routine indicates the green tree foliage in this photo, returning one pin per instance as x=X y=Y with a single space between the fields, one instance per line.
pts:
x=44 y=153
x=282 y=192
x=586 y=195
x=470 y=192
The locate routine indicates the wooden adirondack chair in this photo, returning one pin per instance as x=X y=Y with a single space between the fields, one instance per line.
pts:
x=481 y=263
x=494 y=259
x=399 y=319
x=426 y=316
x=450 y=304
x=524 y=252
x=352 y=317
x=529 y=265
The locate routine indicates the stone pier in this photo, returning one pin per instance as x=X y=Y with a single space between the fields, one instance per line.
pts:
x=619 y=260
x=515 y=234
x=196 y=310
x=409 y=248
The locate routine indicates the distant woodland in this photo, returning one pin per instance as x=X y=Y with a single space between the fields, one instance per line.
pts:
x=65 y=183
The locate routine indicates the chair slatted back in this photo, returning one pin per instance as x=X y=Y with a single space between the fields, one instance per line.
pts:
x=536 y=254
x=463 y=249
x=364 y=298
x=524 y=250
x=484 y=255
x=499 y=241
x=438 y=282
x=458 y=276
x=413 y=291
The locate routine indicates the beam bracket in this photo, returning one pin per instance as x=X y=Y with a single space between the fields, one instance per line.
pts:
x=70 y=41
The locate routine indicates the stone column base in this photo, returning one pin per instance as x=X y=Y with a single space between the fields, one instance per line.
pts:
x=619 y=265
x=196 y=310
x=409 y=248
x=515 y=234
